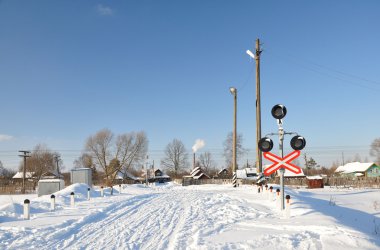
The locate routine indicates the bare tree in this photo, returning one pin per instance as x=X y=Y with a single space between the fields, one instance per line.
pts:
x=375 y=150
x=40 y=162
x=228 y=145
x=84 y=161
x=133 y=149
x=5 y=172
x=206 y=162
x=176 y=156
x=125 y=150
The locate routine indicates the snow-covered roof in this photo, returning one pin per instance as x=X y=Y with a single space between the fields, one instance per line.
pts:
x=199 y=176
x=245 y=172
x=120 y=176
x=80 y=169
x=291 y=174
x=53 y=173
x=195 y=171
x=353 y=167
x=251 y=170
x=315 y=177
x=19 y=175
x=224 y=169
x=51 y=180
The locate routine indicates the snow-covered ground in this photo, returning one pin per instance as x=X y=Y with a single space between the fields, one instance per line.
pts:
x=169 y=216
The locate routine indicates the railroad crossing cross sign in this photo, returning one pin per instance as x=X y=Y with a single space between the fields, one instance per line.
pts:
x=282 y=162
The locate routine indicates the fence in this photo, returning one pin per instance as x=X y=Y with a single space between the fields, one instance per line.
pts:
x=16 y=188
x=339 y=182
x=189 y=181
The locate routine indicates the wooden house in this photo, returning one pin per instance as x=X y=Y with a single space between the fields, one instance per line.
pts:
x=223 y=174
x=155 y=175
x=357 y=169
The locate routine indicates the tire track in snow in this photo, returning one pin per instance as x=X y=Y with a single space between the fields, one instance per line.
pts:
x=52 y=237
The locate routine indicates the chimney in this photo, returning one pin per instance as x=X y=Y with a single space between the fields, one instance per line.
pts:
x=193 y=160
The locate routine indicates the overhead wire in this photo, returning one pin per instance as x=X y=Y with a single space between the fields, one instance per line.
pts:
x=295 y=61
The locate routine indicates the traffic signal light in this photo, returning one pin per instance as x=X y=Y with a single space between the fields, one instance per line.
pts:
x=265 y=144
x=298 y=142
x=279 y=111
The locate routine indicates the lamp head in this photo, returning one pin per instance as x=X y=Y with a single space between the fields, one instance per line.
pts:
x=233 y=90
x=250 y=54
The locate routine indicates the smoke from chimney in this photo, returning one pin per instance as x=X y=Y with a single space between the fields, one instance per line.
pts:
x=199 y=143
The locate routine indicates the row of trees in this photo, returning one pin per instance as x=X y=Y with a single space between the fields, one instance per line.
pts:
x=110 y=154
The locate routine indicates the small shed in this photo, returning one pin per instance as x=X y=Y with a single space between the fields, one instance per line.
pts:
x=314 y=182
x=49 y=186
x=81 y=175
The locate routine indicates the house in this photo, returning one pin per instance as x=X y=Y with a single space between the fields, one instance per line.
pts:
x=19 y=176
x=223 y=174
x=126 y=178
x=290 y=174
x=198 y=174
x=247 y=173
x=155 y=175
x=358 y=169
x=52 y=175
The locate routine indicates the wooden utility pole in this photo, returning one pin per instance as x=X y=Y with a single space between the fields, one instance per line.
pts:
x=259 y=159
x=56 y=157
x=25 y=155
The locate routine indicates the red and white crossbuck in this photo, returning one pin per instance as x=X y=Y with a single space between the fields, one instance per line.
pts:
x=282 y=162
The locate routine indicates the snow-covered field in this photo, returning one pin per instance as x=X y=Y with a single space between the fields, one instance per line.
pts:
x=169 y=216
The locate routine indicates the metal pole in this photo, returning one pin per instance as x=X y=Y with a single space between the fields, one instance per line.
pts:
x=235 y=133
x=146 y=170
x=259 y=159
x=282 y=170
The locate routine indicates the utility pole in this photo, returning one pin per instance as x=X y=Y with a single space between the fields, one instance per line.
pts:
x=342 y=158
x=259 y=159
x=233 y=91
x=56 y=157
x=146 y=170
x=306 y=161
x=25 y=155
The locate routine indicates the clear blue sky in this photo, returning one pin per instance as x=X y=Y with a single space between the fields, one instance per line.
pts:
x=71 y=68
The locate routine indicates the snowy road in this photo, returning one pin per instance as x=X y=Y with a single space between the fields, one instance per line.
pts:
x=175 y=217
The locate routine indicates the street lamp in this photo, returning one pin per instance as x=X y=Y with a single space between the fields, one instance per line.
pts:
x=233 y=91
x=256 y=56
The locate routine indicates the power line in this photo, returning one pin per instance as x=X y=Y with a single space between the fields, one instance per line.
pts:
x=323 y=73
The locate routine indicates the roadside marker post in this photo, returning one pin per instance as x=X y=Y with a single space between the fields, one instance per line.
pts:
x=278 y=197
x=72 y=199
x=26 y=209
x=270 y=195
x=287 y=207
x=88 y=194
x=52 y=202
x=101 y=191
x=120 y=188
